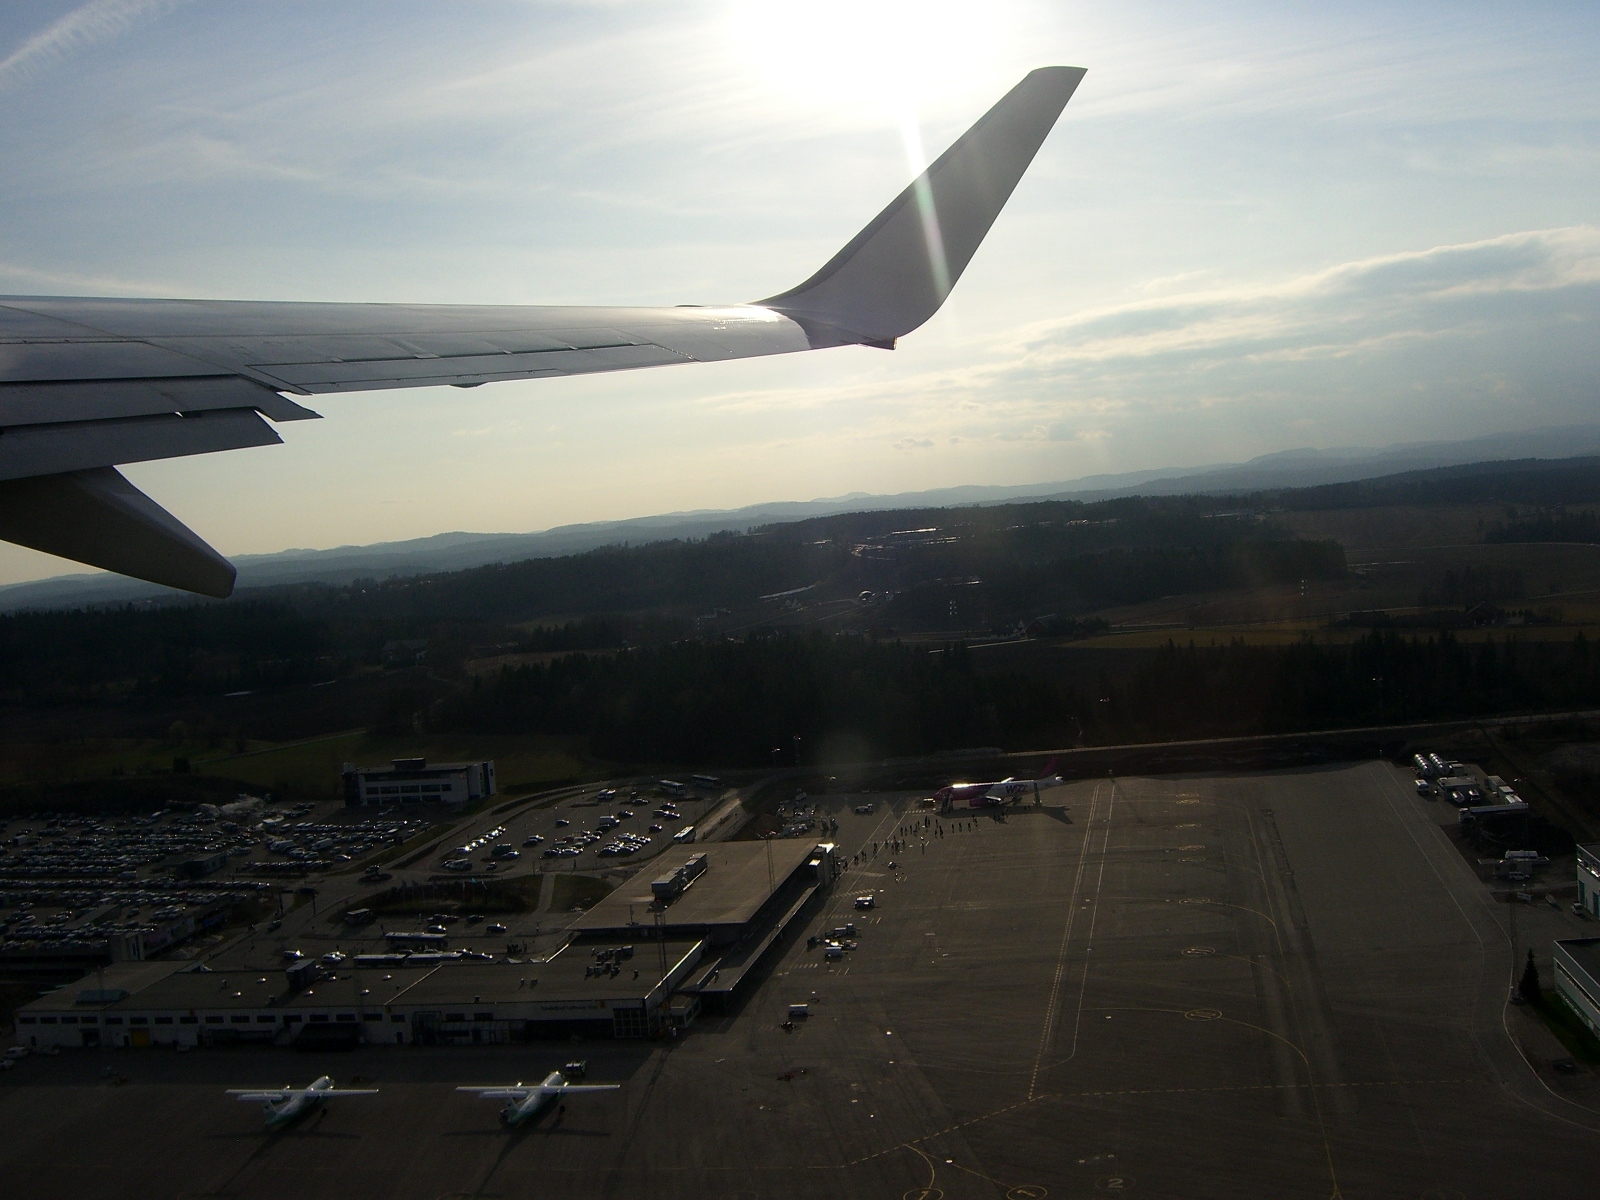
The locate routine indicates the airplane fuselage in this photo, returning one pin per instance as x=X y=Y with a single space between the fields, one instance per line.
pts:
x=288 y=1111
x=994 y=794
x=518 y=1111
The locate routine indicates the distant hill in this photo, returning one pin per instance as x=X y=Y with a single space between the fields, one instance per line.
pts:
x=455 y=551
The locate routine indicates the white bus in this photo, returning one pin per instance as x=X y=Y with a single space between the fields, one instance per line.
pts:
x=684 y=835
x=672 y=787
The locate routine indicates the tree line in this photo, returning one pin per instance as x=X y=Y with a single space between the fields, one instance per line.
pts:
x=734 y=703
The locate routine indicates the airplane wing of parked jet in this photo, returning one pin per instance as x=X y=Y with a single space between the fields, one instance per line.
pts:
x=278 y=1095
x=87 y=384
x=523 y=1091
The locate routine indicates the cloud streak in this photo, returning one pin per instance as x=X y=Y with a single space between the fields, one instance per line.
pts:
x=89 y=25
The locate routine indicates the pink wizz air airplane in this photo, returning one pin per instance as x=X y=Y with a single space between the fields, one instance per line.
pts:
x=993 y=795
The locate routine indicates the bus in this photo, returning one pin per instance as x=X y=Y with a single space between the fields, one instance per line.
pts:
x=672 y=787
x=706 y=781
x=684 y=835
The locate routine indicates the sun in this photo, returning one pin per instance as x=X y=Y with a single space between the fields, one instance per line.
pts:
x=886 y=57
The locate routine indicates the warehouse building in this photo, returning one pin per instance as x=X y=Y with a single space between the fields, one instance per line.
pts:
x=1578 y=978
x=415 y=781
x=634 y=967
x=1589 y=879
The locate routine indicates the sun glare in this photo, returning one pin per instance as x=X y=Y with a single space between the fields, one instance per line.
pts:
x=884 y=56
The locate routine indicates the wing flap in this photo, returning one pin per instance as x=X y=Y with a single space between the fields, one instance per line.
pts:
x=78 y=445
x=498 y=1093
x=99 y=518
x=55 y=403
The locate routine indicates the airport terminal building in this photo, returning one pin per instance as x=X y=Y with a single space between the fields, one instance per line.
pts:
x=416 y=781
x=637 y=965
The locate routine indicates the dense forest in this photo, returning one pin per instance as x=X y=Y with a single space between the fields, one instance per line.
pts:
x=720 y=649
x=1558 y=525
x=943 y=571
x=734 y=702
x=1536 y=482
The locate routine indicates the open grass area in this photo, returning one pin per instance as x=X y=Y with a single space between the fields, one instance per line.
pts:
x=307 y=769
x=1559 y=1018
x=459 y=898
x=579 y=891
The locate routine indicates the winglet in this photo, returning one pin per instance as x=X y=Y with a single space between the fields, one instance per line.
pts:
x=99 y=518
x=896 y=272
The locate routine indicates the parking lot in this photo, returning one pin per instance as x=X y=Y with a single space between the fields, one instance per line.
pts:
x=1288 y=984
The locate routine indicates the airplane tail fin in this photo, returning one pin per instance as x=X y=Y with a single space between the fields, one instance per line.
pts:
x=895 y=273
x=1049 y=769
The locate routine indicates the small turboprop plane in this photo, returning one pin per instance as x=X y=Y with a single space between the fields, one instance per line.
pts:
x=287 y=1104
x=997 y=794
x=527 y=1100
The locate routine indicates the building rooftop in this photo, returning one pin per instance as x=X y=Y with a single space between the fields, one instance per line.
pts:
x=1586 y=953
x=567 y=975
x=731 y=890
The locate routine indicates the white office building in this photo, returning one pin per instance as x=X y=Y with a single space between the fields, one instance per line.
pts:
x=416 y=781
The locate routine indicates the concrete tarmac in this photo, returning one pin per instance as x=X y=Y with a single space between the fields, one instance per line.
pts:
x=1282 y=985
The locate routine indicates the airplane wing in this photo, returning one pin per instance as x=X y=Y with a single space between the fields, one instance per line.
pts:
x=87 y=384
x=274 y=1096
x=500 y=1093
x=330 y=1092
x=588 y=1087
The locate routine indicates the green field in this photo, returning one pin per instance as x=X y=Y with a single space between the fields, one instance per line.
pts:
x=309 y=769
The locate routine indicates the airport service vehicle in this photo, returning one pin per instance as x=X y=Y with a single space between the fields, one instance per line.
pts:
x=285 y=1104
x=866 y=902
x=91 y=383
x=998 y=793
x=527 y=1100
x=863 y=810
x=705 y=781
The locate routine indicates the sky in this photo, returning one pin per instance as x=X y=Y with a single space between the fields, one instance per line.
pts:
x=1256 y=227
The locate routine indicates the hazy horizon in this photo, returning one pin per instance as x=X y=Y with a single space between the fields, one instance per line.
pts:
x=1252 y=230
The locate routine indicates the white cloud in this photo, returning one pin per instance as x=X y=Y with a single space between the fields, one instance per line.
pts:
x=1441 y=292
